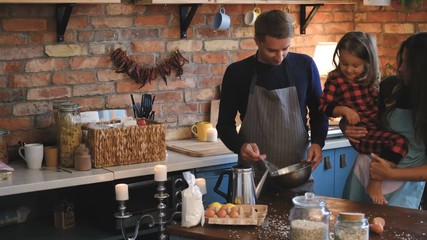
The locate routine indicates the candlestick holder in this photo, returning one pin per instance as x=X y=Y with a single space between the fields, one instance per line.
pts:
x=161 y=196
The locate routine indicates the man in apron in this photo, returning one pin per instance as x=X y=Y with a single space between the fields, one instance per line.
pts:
x=272 y=91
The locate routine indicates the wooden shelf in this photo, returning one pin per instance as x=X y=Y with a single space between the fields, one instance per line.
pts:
x=248 y=2
x=60 y=1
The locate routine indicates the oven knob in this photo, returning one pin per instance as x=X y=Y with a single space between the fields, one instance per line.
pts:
x=178 y=195
x=178 y=207
x=179 y=183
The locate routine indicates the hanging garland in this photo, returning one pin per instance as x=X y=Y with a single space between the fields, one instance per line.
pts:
x=141 y=74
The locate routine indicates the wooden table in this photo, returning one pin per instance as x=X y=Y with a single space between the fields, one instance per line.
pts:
x=401 y=223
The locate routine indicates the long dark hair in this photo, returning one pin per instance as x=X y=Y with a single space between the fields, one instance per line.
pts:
x=415 y=48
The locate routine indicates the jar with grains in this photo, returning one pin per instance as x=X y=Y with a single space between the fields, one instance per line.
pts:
x=70 y=133
x=309 y=218
x=56 y=105
x=3 y=146
x=351 y=226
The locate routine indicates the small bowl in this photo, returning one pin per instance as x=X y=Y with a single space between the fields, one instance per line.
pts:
x=293 y=175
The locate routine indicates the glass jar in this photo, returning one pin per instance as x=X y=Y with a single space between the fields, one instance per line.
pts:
x=56 y=105
x=3 y=146
x=351 y=226
x=82 y=161
x=70 y=132
x=309 y=218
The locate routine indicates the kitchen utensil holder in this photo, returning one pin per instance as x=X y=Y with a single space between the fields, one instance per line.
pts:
x=161 y=196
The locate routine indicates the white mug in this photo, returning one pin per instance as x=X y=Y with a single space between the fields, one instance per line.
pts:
x=33 y=155
x=251 y=16
x=221 y=20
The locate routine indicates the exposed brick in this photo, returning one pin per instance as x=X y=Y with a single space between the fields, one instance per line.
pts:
x=89 y=10
x=9 y=67
x=12 y=40
x=131 y=34
x=399 y=28
x=66 y=50
x=339 y=28
x=16 y=123
x=218 y=69
x=151 y=21
x=148 y=46
x=30 y=80
x=243 y=32
x=90 y=103
x=175 y=33
x=174 y=84
x=5 y=110
x=44 y=120
x=16 y=53
x=110 y=75
x=343 y=16
x=189 y=119
x=180 y=108
x=65 y=78
x=4 y=82
x=246 y=44
x=31 y=108
x=211 y=58
x=43 y=38
x=90 y=62
x=210 y=82
x=11 y=95
x=128 y=86
x=324 y=17
x=76 y=23
x=47 y=93
x=112 y=22
x=240 y=56
x=93 y=89
x=209 y=33
x=200 y=94
x=118 y=101
x=384 y=17
x=218 y=45
x=422 y=27
x=46 y=64
x=105 y=35
x=178 y=133
x=185 y=45
x=43 y=135
x=369 y=27
x=24 y=25
x=196 y=70
x=121 y=9
x=97 y=49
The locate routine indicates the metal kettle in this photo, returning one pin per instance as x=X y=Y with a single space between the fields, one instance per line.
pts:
x=241 y=185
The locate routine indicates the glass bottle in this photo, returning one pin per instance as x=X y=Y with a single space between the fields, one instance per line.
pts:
x=309 y=218
x=70 y=133
x=82 y=161
x=351 y=226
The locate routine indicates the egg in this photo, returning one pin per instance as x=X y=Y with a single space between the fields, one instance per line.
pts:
x=376 y=228
x=225 y=208
x=379 y=220
x=221 y=213
x=233 y=214
x=210 y=213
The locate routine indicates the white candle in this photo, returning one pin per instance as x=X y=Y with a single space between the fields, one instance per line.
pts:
x=122 y=193
x=160 y=173
x=212 y=135
x=201 y=183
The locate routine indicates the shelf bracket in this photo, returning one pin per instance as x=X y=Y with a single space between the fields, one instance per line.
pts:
x=186 y=16
x=305 y=21
x=63 y=12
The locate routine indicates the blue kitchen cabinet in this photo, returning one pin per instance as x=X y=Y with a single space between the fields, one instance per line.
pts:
x=211 y=175
x=332 y=173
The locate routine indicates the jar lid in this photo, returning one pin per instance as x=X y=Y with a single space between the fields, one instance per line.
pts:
x=57 y=103
x=351 y=216
x=69 y=107
x=309 y=200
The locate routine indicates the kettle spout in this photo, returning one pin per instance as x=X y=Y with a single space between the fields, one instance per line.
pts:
x=261 y=184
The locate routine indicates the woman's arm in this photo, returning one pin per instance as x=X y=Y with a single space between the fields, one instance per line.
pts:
x=382 y=170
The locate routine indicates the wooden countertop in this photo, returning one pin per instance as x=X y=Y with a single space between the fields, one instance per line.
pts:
x=401 y=223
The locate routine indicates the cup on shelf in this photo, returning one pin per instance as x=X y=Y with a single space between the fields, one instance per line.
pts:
x=33 y=155
x=200 y=129
x=50 y=155
x=251 y=16
x=221 y=20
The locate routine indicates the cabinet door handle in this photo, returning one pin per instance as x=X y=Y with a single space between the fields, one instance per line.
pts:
x=328 y=164
x=343 y=163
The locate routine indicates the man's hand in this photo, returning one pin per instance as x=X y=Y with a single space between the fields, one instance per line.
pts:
x=250 y=152
x=314 y=155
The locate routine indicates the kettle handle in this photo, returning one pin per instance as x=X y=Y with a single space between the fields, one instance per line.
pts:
x=218 y=184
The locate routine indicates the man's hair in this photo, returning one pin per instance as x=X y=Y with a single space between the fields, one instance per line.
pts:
x=274 y=23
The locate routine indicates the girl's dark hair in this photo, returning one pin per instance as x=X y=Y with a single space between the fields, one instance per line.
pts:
x=416 y=64
x=363 y=46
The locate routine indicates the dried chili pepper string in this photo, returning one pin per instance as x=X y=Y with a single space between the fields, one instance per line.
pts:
x=141 y=74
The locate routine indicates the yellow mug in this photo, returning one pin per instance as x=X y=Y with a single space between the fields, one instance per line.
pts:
x=200 y=129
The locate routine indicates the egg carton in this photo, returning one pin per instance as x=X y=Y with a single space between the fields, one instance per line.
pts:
x=248 y=215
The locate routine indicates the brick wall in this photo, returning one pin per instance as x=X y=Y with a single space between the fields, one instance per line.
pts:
x=35 y=69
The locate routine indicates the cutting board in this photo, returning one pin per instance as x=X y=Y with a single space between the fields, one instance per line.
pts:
x=195 y=148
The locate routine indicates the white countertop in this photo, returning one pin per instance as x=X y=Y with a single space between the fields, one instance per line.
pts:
x=26 y=180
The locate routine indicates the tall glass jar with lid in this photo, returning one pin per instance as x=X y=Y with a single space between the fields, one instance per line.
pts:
x=70 y=132
x=55 y=106
x=309 y=218
x=351 y=226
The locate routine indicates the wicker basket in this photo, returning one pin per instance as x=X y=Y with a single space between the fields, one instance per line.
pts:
x=127 y=145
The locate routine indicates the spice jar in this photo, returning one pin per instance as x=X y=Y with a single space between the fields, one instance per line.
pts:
x=351 y=226
x=70 y=133
x=309 y=218
x=82 y=160
x=3 y=146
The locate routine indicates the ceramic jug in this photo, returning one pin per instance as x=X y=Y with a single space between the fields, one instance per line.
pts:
x=241 y=185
